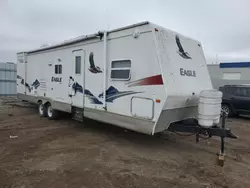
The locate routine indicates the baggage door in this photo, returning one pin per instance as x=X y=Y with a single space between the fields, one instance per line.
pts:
x=77 y=80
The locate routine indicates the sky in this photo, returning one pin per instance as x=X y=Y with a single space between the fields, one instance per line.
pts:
x=222 y=26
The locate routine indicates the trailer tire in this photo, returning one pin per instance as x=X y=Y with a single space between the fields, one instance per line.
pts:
x=51 y=113
x=42 y=109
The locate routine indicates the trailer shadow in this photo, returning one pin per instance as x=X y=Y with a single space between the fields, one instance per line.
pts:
x=165 y=140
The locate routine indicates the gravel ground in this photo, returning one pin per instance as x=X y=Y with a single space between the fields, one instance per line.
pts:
x=37 y=152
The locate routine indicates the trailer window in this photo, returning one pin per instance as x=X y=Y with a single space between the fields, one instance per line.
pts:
x=78 y=64
x=58 y=69
x=120 y=70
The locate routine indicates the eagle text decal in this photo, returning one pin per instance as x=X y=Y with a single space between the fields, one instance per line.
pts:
x=56 y=79
x=185 y=72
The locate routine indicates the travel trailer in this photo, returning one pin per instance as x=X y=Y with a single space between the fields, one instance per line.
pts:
x=142 y=77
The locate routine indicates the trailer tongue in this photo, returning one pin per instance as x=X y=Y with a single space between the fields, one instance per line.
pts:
x=207 y=121
x=222 y=132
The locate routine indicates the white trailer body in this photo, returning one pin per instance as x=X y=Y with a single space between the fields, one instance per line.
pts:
x=141 y=77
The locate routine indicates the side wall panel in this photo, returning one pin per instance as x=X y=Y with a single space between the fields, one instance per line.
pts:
x=145 y=81
x=41 y=68
x=144 y=68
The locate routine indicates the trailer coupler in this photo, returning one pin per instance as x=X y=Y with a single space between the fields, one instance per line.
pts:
x=222 y=132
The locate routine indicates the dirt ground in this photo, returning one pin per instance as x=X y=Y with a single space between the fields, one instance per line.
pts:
x=37 y=152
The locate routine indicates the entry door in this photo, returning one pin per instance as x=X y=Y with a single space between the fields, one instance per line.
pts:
x=77 y=78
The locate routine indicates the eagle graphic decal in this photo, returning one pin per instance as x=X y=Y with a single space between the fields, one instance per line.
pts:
x=181 y=50
x=94 y=69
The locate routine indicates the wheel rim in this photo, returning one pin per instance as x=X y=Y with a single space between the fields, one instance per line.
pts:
x=225 y=109
x=41 y=109
x=50 y=111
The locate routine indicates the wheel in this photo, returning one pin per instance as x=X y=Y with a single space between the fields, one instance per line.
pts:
x=42 y=110
x=52 y=114
x=226 y=108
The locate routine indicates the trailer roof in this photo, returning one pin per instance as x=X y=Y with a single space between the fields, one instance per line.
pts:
x=83 y=38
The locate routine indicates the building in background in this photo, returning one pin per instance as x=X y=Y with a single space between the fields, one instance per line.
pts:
x=7 y=79
x=229 y=73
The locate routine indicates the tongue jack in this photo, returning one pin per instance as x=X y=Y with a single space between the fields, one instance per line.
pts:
x=221 y=155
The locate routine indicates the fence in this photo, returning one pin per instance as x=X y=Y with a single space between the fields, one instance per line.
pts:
x=7 y=79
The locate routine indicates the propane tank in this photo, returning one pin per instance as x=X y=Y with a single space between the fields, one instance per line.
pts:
x=209 y=108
